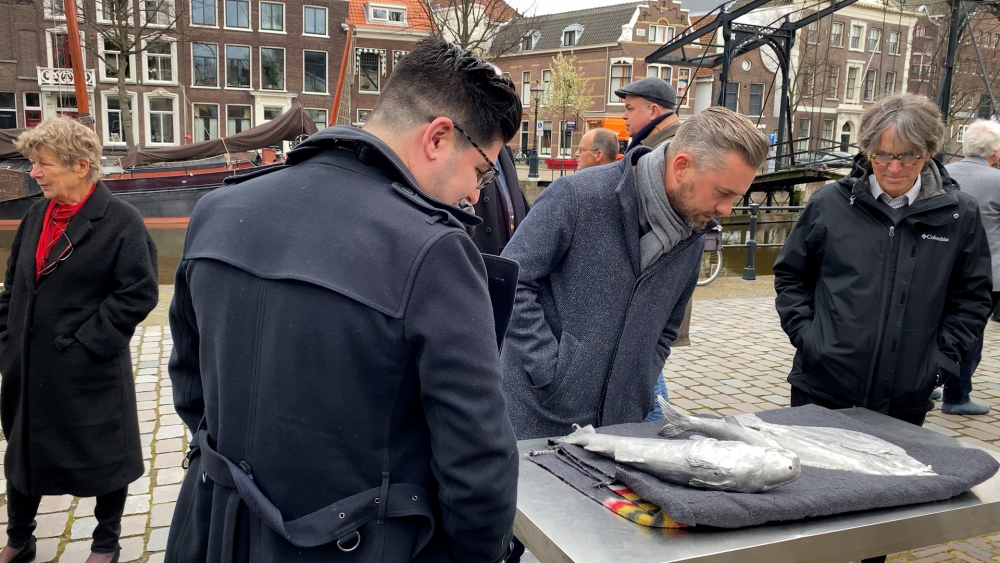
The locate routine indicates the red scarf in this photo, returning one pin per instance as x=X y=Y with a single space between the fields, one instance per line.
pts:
x=56 y=219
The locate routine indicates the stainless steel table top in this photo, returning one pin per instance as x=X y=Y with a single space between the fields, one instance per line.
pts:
x=559 y=524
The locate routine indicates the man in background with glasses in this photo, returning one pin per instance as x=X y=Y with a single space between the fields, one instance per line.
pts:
x=884 y=281
x=335 y=351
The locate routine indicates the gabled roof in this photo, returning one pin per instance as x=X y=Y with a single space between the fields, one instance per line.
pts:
x=600 y=26
x=416 y=16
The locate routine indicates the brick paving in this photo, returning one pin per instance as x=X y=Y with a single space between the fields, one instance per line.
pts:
x=737 y=362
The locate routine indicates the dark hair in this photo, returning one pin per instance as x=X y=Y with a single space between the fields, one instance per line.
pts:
x=438 y=79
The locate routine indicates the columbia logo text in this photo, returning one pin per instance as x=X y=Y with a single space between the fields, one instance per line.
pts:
x=934 y=237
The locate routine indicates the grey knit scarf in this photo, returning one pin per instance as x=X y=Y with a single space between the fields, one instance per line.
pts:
x=662 y=228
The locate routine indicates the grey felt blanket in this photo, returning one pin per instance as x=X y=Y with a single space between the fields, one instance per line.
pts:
x=817 y=492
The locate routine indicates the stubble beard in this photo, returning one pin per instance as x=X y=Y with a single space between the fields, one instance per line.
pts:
x=678 y=201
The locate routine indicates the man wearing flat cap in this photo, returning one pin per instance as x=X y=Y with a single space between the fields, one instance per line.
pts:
x=649 y=111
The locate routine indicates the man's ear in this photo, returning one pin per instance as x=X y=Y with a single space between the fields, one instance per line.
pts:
x=438 y=138
x=680 y=166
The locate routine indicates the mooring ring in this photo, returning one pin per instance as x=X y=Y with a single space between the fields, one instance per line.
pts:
x=357 y=542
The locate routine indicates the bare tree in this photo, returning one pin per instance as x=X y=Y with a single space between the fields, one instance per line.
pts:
x=489 y=28
x=134 y=28
x=568 y=92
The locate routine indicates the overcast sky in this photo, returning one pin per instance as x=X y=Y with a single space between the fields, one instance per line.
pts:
x=556 y=6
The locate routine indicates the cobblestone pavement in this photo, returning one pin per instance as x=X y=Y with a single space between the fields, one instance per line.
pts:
x=737 y=362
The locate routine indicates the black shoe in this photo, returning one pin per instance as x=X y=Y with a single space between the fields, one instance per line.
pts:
x=27 y=553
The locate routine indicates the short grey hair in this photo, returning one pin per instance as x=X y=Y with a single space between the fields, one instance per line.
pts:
x=711 y=134
x=913 y=121
x=69 y=139
x=606 y=140
x=982 y=138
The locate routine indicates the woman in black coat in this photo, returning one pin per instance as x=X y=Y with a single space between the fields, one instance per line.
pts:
x=81 y=276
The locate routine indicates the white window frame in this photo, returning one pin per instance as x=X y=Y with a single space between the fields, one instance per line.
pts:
x=50 y=15
x=885 y=88
x=50 y=48
x=526 y=89
x=533 y=36
x=160 y=93
x=202 y=25
x=174 y=65
x=102 y=66
x=960 y=133
x=326 y=111
x=836 y=82
x=219 y=71
x=541 y=135
x=808 y=84
x=326 y=21
x=284 y=66
x=861 y=37
x=102 y=19
x=803 y=143
x=763 y=93
x=858 y=82
x=106 y=130
x=304 y=71
x=666 y=31
x=577 y=31
x=878 y=42
x=367 y=114
x=685 y=101
x=370 y=14
x=657 y=71
x=825 y=140
x=171 y=14
x=284 y=18
x=218 y=116
x=547 y=81
x=224 y=72
x=874 y=83
x=225 y=24
x=379 y=72
x=889 y=49
x=841 y=24
x=613 y=100
x=227 y=117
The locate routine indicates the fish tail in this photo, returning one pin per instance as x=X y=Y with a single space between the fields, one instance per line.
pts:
x=676 y=424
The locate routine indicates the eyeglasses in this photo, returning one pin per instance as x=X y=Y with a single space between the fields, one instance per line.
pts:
x=484 y=177
x=885 y=159
x=62 y=256
x=583 y=149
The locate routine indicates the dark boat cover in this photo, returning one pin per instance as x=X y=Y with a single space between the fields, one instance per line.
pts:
x=7 y=150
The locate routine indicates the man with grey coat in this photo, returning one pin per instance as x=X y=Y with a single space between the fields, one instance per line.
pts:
x=609 y=258
x=977 y=177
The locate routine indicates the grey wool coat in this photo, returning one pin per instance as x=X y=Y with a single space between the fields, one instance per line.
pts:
x=590 y=331
x=977 y=178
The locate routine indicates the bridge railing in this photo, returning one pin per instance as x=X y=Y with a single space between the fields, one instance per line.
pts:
x=749 y=272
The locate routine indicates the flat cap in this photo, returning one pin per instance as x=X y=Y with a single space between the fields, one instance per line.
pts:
x=654 y=89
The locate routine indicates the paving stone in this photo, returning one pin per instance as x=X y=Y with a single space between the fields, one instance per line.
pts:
x=85 y=507
x=139 y=486
x=156 y=558
x=175 y=431
x=134 y=525
x=46 y=550
x=51 y=525
x=166 y=493
x=165 y=461
x=55 y=504
x=137 y=504
x=76 y=552
x=147 y=416
x=162 y=514
x=169 y=445
x=158 y=539
x=131 y=549
x=147 y=426
x=170 y=476
x=82 y=528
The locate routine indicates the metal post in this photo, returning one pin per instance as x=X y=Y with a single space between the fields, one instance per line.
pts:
x=749 y=272
x=533 y=159
x=954 y=34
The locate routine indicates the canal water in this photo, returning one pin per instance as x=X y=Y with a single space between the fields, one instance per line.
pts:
x=772 y=229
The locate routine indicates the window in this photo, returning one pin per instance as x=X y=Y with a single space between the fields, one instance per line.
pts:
x=272 y=68
x=8 y=111
x=569 y=38
x=32 y=109
x=808 y=83
x=660 y=33
x=621 y=76
x=319 y=117
x=205 y=63
x=115 y=134
x=271 y=112
x=363 y=115
x=920 y=30
x=202 y=12
x=66 y=104
x=837 y=34
x=55 y=9
x=272 y=16
x=920 y=65
x=386 y=14
x=871 y=79
x=368 y=72
x=812 y=33
x=524 y=137
x=845 y=138
x=756 y=99
x=237 y=119
x=851 y=92
x=237 y=66
x=161 y=120
x=683 y=79
x=832 y=81
x=874 y=40
x=114 y=61
x=547 y=81
x=160 y=61
x=660 y=71
x=565 y=139
x=114 y=10
x=314 y=63
x=856 y=31
x=528 y=42
x=314 y=21
x=827 y=133
x=731 y=99
x=894 y=43
x=805 y=130
x=238 y=14
x=206 y=122
x=526 y=88
x=158 y=12
x=960 y=136
x=545 y=144
x=890 y=83
x=61 y=51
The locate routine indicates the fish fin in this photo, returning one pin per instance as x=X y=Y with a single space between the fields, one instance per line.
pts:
x=695 y=462
x=578 y=434
x=628 y=458
x=698 y=437
x=676 y=423
x=721 y=484
x=731 y=421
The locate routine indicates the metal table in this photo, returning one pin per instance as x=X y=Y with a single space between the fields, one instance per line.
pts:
x=560 y=525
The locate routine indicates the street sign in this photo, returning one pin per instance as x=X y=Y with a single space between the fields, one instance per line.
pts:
x=570 y=126
x=539 y=125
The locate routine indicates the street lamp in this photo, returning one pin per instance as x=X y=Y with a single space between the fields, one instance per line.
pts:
x=536 y=95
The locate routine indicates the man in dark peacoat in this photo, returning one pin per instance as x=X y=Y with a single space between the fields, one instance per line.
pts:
x=501 y=210
x=68 y=393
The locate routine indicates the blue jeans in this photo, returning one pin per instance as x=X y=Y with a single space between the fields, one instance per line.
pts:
x=660 y=389
x=957 y=389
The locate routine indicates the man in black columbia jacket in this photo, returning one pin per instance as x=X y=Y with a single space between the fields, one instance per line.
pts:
x=334 y=347
x=884 y=282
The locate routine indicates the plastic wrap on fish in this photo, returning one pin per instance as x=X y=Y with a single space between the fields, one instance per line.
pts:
x=827 y=448
x=708 y=464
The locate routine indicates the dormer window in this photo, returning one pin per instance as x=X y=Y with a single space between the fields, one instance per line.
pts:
x=530 y=40
x=571 y=35
x=387 y=14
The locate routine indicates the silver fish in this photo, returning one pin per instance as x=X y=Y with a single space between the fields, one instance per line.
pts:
x=706 y=464
x=827 y=448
